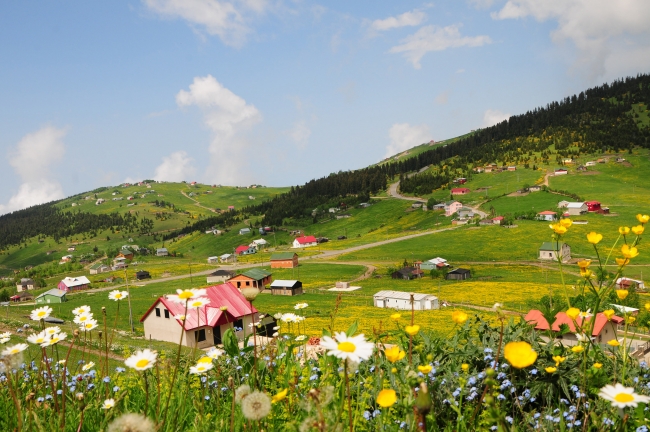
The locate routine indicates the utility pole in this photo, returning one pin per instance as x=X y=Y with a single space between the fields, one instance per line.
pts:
x=126 y=280
x=190 y=266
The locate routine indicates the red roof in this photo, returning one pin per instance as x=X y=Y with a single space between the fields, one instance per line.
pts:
x=536 y=318
x=211 y=315
x=306 y=239
x=240 y=249
x=498 y=218
x=592 y=202
x=547 y=212
x=459 y=190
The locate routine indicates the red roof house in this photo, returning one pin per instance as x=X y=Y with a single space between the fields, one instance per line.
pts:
x=304 y=241
x=460 y=191
x=203 y=326
x=593 y=206
x=604 y=329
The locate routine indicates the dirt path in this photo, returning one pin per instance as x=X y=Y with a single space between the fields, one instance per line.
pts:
x=196 y=203
x=392 y=191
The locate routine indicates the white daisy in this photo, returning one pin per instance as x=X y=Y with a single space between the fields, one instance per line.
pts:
x=200 y=368
x=182 y=296
x=354 y=348
x=299 y=318
x=582 y=337
x=81 y=310
x=91 y=324
x=14 y=349
x=142 y=360
x=300 y=306
x=301 y=338
x=214 y=353
x=52 y=330
x=585 y=315
x=38 y=338
x=117 y=295
x=40 y=313
x=108 y=404
x=54 y=340
x=82 y=318
x=621 y=396
x=5 y=335
x=88 y=366
x=4 y=340
x=288 y=317
x=198 y=302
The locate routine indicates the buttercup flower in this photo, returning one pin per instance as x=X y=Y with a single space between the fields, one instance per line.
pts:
x=629 y=252
x=550 y=369
x=577 y=349
x=613 y=343
x=108 y=404
x=584 y=263
x=386 y=398
x=279 y=396
x=621 y=396
x=40 y=313
x=597 y=365
x=425 y=369
x=594 y=238
x=117 y=295
x=394 y=354
x=81 y=310
x=622 y=294
x=624 y=230
x=412 y=330
x=622 y=261
x=559 y=229
x=519 y=354
x=643 y=218
x=201 y=367
x=609 y=313
x=573 y=313
x=354 y=348
x=142 y=360
x=256 y=406
x=586 y=273
x=647 y=306
x=558 y=359
x=14 y=349
x=464 y=367
x=396 y=316
x=638 y=230
x=459 y=317
x=566 y=222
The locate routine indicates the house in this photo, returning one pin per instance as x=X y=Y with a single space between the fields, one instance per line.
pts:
x=459 y=274
x=478 y=170
x=604 y=329
x=627 y=283
x=72 y=249
x=498 y=220
x=590 y=163
x=593 y=206
x=465 y=213
x=343 y=216
x=203 y=327
x=100 y=201
x=213 y=260
x=162 y=252
x=258 y=243
x=231 y=208
x=488 y=169
x=535 y=188
x=304 y=241
x=460 y=191
x=512 y=168
x=119 y=265
x=547 y=215
x=74 y=283
x=52 y=296
x=434 y=264
x=22 y=297
x=562 y=204
x=452 y=207
x=254 y=277
x=561 y=171
x=576 y=208
x=407 y=273
x=220 y=276
x=548 y=251
x=364 y=205
x=225 y=258
x=286 y=287
x=142 y=274
x=402 y=300
x=65 y=259
x=99 y=268
x=244 y=231
x=567 y=161
x=284 y=260
x=126 y=255
x=25 y=284
x=416 y=205
x=245 y=250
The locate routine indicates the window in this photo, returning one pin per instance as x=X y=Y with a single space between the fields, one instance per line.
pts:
x=157 y=312
x=248 y=283
x=199 y=335
x=239 y=323
x=166 y=313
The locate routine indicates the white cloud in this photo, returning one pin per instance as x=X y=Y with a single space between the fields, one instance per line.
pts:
x=492 y=117
x=31 y=160
x=407 y=19
x=442 y=98
x=175 y=168
x=433 y=38
x=230 y=21
x=300 y=134
x=403 y=136
x=599 y=29
x=229 y=117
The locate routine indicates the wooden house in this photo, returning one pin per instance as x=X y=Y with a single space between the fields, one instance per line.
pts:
x=286 y=287
x=99 y=268
x=254 y=277
x=162 y=252
x=142 y=274
x=460 y=191
x=52 y=296
x=459 y=274
x=407 y=273
x=24 y=296
x=25 y=284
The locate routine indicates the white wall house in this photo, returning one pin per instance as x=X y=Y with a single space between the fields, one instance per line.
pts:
x=576 y=208
x=548 y=251
x=402 y=300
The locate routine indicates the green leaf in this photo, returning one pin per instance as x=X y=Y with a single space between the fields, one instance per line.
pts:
x=230 y=343
x=327 y=333
x=353 y=329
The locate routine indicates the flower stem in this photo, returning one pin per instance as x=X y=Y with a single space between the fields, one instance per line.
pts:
x=347 y=387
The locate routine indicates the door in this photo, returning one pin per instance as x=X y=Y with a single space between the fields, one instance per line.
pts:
x=216 y=333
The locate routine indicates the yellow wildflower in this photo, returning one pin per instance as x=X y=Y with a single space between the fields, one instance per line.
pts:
x=622 y=261
x=396 y=316
x=464 y=367
x=559 y=229
x=425 y=369
x=394 y=354
x=623 y=230
x=577 y=349
x=622 y=294
x=558 y=359
x=586 y=273
x=598 y=365
x=609 y=313
x=566 y=223
x=631 y=319
x=643 y=218
x=412 y=330
x=638 y=230
x=613 y=343
x=594 y=237
x=629 y=252
x=583 y=264
x=647 y=306
x=550 y=369
x=459 y=317
x=279 y=396
x=573 y=313
x=519 y=354
x=386 y=398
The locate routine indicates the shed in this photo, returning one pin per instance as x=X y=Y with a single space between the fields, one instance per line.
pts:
x=548 y=251
x=226 y=258
x=459 y=274
x=460 y=191
x=213 y=260
x=304 y=241
x=402 y=300
x=286 y=287
x=52 y=296
x=244 y=231
x=142 y=274
x=576 y=208
x=22 y=297
x=99 y=268
x=284 y=260
x=626 y=283
x=162 y=252
x=407 y=273
x=593 y=206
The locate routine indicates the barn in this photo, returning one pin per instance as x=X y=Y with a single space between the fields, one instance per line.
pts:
x=459 y=274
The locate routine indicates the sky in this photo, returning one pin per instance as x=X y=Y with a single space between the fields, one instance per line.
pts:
x=278 y=92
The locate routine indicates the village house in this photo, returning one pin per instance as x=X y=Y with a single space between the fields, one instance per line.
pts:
x=68 y=284
x=24 y=296
x=220 y=276
x=305 y=241
x=576 y=208
x=460 y=191
x=402 y=300
x=142 y=274
x=452 y=207
x=547 y=215
x=465 y=213
x=478 y=170
x=25 y=284
x=512 y=168
x=52 y=296
x=604 y=329
x=65 y=259
x=162 y=252
x=284 y=260
x=259 y=243
x=548 y=251
x=204 y=327
x=127 y=255
x=245 y=250
x=407 y=273
x=593 y=206
x=434 y=264
x=535 y=188
x=417 y=205
x=562 y=204
x=286 y=287
x=333 y=209
x=590 y=163
x=99 y=268
x=627 y=283
x=213 y=260
x=226 y=258
x=255 y=277
x=561 y=171
x=244 y=231
x=100 y=201
x=458 y=274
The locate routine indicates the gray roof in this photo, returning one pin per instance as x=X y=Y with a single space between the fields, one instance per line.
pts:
x=280 y=283
x=53 y=292
x=403 y=295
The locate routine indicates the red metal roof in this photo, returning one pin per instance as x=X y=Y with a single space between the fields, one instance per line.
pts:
x=241 y=249
x=306 y=239
x=211 y=315
x=498 y=218
x=459 y=190
x=547 y=212
x=592 y=202
x=536 y=318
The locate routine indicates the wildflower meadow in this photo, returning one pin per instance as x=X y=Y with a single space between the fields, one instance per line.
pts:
x=493 y=373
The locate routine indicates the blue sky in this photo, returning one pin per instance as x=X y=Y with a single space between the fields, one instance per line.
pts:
x=279 y=92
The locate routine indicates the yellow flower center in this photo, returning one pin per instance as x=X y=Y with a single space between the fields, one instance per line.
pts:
x=41 y=313
x=185 y=295
x=142 y=363
x=624 y=397
x=196 y=304
x=347 y=347
x=83 y=318
x=15 y=351
x=118 y=295
x=205 y=360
